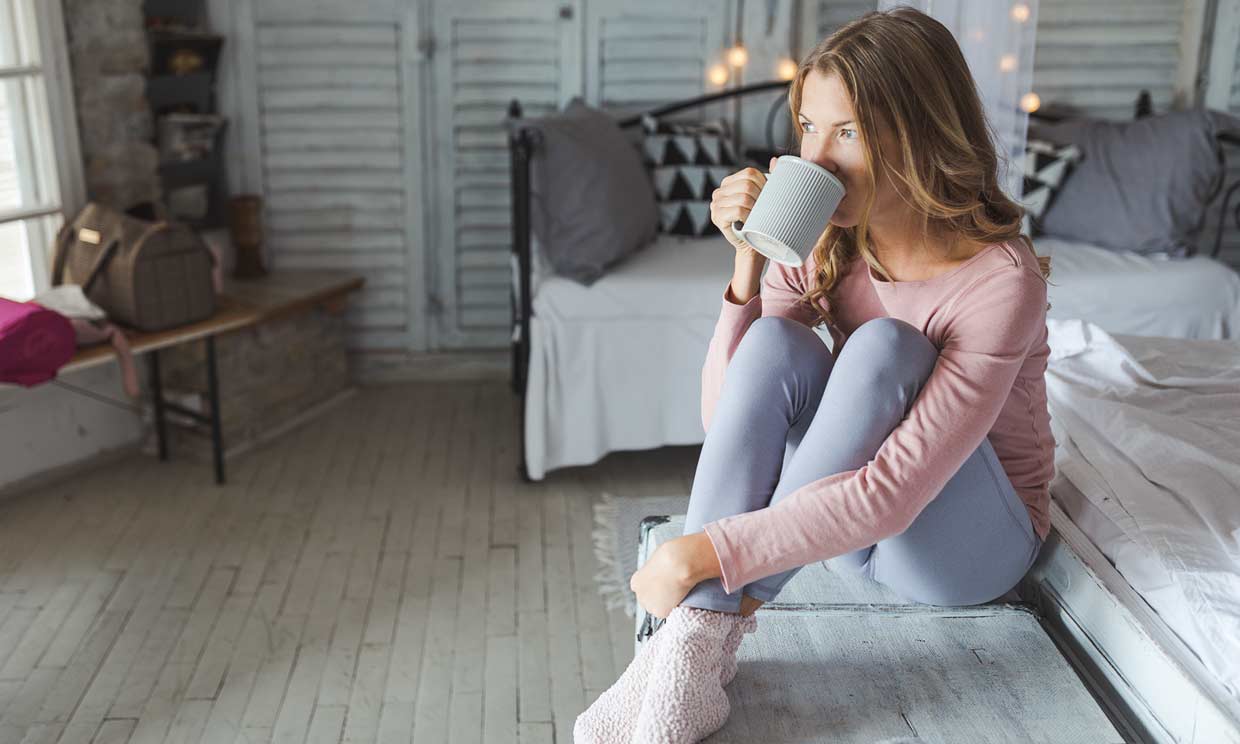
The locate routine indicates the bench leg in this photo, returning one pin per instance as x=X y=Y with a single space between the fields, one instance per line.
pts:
x=213 y=393
x=157 y=399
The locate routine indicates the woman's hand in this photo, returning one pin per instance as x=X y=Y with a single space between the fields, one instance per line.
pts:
x=672 y=571
x=733 y=201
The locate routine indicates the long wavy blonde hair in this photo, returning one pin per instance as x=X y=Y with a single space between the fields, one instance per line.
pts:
x=904 y=68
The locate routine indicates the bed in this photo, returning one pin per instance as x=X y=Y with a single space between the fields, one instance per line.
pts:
x=1141 y=575
x=1137 y=605
x=578 y=353
x=585 y=397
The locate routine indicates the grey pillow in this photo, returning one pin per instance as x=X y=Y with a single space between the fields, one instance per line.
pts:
x=1141 y=185
x=591 y=201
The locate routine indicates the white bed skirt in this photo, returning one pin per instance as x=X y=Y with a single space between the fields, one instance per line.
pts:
x=587 y=396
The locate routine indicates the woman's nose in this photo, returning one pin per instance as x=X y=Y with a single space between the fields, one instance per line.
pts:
x=821 y=155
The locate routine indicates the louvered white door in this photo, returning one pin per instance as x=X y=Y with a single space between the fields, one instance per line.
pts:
x=640 y=54
x=486 y=53
x=336 y=152
x=1097 y=56
x=828 y=15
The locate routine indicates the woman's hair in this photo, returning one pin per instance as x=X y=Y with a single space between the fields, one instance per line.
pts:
x=903 y=68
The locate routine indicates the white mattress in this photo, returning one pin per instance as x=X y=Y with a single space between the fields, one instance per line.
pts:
x=1195 y=297
x=1148 y=467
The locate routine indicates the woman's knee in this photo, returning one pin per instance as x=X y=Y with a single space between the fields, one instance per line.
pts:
x=775 y=342
x=889 y=345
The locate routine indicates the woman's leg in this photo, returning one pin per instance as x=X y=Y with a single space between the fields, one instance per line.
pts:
x=770 y=393
x=970 y=544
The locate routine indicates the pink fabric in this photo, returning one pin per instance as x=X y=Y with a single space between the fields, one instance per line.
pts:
x=89 y=332
x=34 y=342
x=987 y=317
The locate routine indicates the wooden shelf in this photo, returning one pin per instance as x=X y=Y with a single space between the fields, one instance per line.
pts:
x=245 y=302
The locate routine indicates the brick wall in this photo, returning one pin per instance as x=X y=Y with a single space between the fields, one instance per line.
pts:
x=109 y=57
x=268 y=375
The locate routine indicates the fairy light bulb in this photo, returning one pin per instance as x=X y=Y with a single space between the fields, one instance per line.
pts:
x=1007 y=63
x=717 y=74
x=1020 y=12
x=787 y=69
x=1030 y=102
x=738 y=56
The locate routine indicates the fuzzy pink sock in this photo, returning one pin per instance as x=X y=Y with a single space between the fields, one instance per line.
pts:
x=731 y=644
x=684 y=700
x=610 y=718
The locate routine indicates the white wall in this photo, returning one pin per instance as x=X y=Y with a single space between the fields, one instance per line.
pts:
x=46 y=426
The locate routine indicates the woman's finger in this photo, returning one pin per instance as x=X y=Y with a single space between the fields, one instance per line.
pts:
x=749 y=174
x=748 y=187
x=735 y=200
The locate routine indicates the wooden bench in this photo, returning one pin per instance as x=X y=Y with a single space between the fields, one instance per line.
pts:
x=243 y=304
x=840 y=658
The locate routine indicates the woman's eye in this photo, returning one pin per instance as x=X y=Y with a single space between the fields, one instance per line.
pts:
x=806 y=126
x=848 y=134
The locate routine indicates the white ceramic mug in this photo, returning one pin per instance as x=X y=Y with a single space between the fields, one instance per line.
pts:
x=791 y=211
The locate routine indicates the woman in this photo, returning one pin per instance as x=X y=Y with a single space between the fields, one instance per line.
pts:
x=919 y=451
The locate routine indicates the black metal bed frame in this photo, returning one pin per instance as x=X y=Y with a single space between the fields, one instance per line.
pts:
x=523 y=141
x=521 y=144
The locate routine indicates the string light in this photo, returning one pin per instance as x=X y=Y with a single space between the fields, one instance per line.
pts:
x=1020 y=12
x=738 y=56
x=717 y=74
x=787 y=69
x=1007 y=62
x=1030 y=102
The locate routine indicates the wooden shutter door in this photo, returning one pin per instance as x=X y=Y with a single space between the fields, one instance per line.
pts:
x=824 y=16
x=1098 y=56
x=333 y=123
x=641 y=54
x=487 y=52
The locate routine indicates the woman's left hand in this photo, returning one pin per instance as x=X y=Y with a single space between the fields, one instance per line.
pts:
x=671 y=572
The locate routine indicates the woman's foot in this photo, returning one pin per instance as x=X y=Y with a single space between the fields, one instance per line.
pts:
x=744 y=624
x=684 y=700
x=610 y=718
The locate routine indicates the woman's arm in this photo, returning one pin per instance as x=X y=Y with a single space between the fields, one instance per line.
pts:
x=780 y=289
x=991 y=328
x=746 y=278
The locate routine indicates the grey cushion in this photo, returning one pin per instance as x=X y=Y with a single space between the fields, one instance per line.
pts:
x=1140 y=185
x=1046 y=167
x=592 y=201
x=688 y=160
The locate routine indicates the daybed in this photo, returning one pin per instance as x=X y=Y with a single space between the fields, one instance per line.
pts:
x=1137 y=605
x=581 y=355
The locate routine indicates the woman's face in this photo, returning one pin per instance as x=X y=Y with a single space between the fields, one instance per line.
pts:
x=831 y=138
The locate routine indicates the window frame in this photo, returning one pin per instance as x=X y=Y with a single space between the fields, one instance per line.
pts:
x=66 y=175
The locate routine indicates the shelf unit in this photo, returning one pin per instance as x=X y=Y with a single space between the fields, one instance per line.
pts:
x=184 y=57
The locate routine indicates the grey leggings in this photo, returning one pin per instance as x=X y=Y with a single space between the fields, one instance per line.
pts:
x=791 y=413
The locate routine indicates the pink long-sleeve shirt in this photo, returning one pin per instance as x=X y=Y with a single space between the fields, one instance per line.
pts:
x=987 y=318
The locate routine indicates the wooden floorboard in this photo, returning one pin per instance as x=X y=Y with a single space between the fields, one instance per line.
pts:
x=380 y=574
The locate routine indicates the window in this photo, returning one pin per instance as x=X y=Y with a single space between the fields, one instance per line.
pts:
x=40 y=168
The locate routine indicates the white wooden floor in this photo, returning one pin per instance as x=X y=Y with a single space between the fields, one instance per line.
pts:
x=379 y=575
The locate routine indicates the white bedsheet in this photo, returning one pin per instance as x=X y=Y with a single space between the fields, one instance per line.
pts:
x=1195 y=297
x=1148 y=456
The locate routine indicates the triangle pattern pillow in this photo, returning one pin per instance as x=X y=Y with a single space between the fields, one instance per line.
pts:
x=687 y=160
x=1046 y=167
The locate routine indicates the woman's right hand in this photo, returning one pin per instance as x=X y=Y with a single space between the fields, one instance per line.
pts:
x=733 y=201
